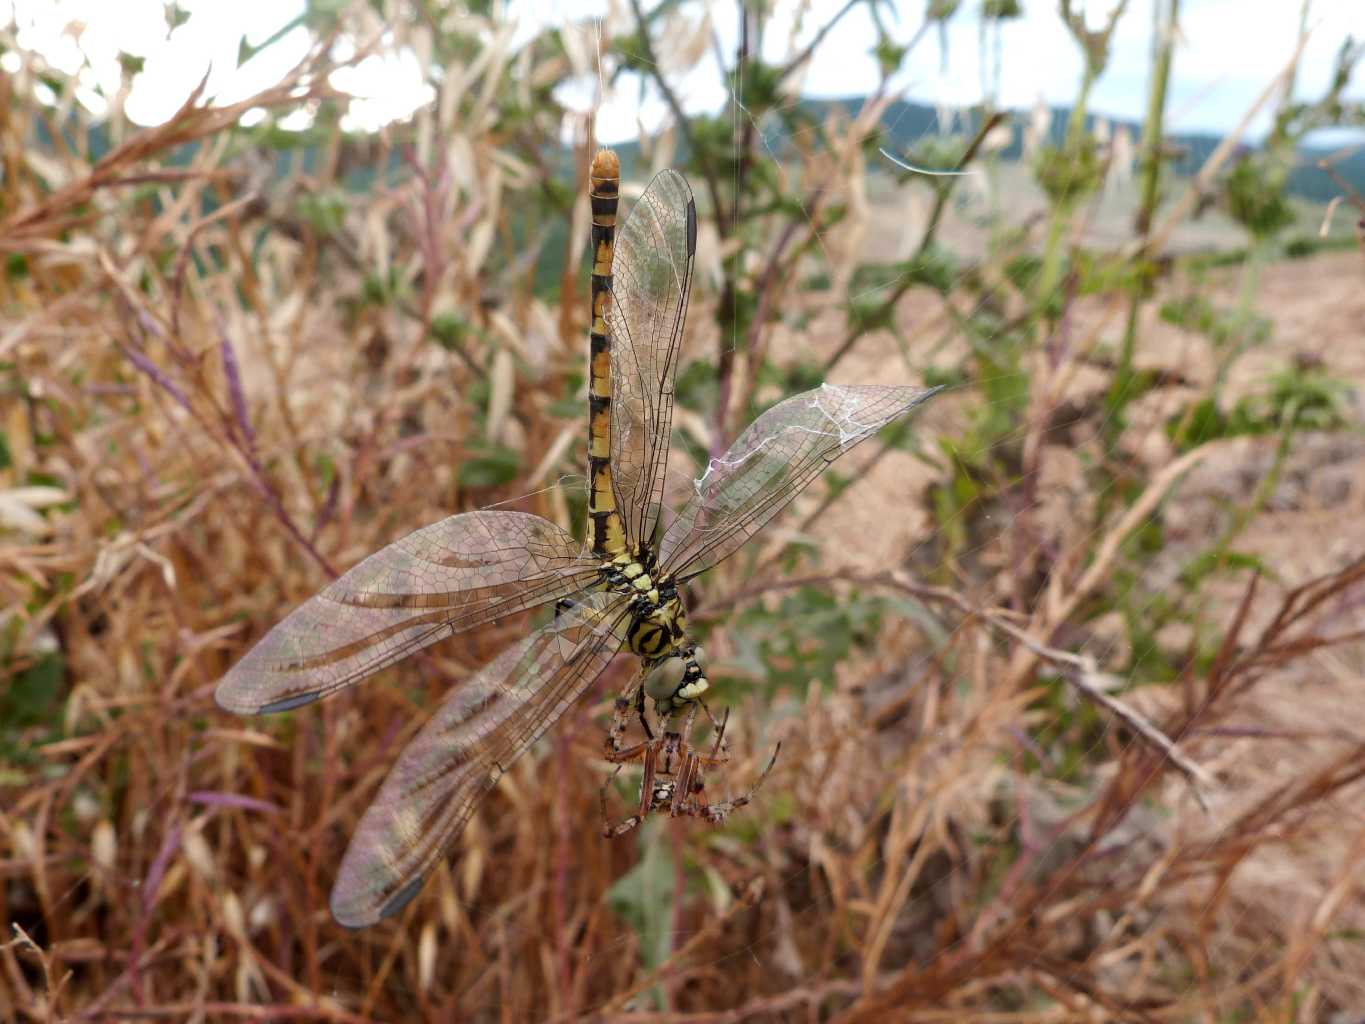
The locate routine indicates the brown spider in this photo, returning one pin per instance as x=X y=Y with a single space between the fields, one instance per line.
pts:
x=672 y=777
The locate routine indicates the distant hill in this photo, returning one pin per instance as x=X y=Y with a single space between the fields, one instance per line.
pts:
x=907 y=123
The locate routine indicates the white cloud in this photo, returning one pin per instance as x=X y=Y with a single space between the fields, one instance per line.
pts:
x=1230 y=49
x=386 y=88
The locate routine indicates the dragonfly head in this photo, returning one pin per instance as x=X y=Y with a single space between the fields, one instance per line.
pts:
x=677 y=680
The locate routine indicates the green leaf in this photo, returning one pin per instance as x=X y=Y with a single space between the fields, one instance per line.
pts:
x=489 y=466
x=937 y=268
x=1254 y=192
x=1001 y=10
x=941 y=10
x=31 y=703
x=888 y=55
x=324 y=211
x=1070 y=172
x=804 y=639
x=449 y=330
x=644 y=896
x=696 y=387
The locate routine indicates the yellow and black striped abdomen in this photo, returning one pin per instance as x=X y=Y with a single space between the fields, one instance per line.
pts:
x=608 y=533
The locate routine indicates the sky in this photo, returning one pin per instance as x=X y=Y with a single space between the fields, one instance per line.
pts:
x=1229 y=50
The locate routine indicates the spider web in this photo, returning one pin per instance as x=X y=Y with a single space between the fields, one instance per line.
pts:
x=869 y=764
x=841 y=420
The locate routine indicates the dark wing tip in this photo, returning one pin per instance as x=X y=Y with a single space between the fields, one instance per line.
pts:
x=234 y=693
x=288 y=703
x=354 y=915
x=402 y=898
x=691 y=227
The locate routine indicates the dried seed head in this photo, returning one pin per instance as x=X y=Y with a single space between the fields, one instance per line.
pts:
x=426 y=957
x=198 y=855
x=104 y=845
x=232 y=915
x=22 y=842
x=262 y=914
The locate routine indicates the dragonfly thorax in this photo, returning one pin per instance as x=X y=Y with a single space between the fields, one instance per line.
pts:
x=658 y=626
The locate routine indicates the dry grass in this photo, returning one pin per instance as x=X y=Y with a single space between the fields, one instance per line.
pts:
x=204 y=423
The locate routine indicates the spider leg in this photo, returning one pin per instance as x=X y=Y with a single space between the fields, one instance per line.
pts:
x=717 y=813
x=720 y=753
x=690 y=779
x=682 y=790
x=718 y=726
x=620 y=828
x=602 y=799
x=627 y=754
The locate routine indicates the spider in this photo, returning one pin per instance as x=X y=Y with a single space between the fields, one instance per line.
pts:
x=672 y=777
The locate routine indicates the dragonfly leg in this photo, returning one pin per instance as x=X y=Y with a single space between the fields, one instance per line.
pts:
x=640 y=710
x=620 y=718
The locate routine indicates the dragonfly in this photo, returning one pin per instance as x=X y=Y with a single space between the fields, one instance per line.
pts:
x=620 y=589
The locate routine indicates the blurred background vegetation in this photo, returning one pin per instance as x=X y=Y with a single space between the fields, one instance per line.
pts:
x=1067 y=674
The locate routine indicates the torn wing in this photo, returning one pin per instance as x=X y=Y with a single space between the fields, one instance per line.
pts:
x=652 y=279
x=464 y=749
x=771 y=462
x=437 y=581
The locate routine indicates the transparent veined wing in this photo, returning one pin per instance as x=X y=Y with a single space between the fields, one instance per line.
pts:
x=771 y=462
x=653 y=278
x=439 y=580
x=485 y=725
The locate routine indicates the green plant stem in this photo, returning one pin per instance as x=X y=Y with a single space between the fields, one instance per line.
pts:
x=1096 y=57
x=1153 y=129
x=1250 y=281
x=1246 y=308
x=1244 y=513
x=930 y=231
x=1050 y=274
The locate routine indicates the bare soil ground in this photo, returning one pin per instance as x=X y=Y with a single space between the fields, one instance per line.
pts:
x=1314 y=522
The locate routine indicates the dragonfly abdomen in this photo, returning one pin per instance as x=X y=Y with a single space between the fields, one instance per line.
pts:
x=608 y=532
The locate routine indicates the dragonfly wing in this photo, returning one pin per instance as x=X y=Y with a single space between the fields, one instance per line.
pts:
x=771 y=462
x=439 y=580
x=653 y=278
x=461 y=753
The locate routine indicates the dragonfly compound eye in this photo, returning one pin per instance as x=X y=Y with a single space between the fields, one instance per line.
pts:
x=665 y=678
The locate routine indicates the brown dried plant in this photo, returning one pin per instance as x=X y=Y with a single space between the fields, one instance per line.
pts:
x=224 y=382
